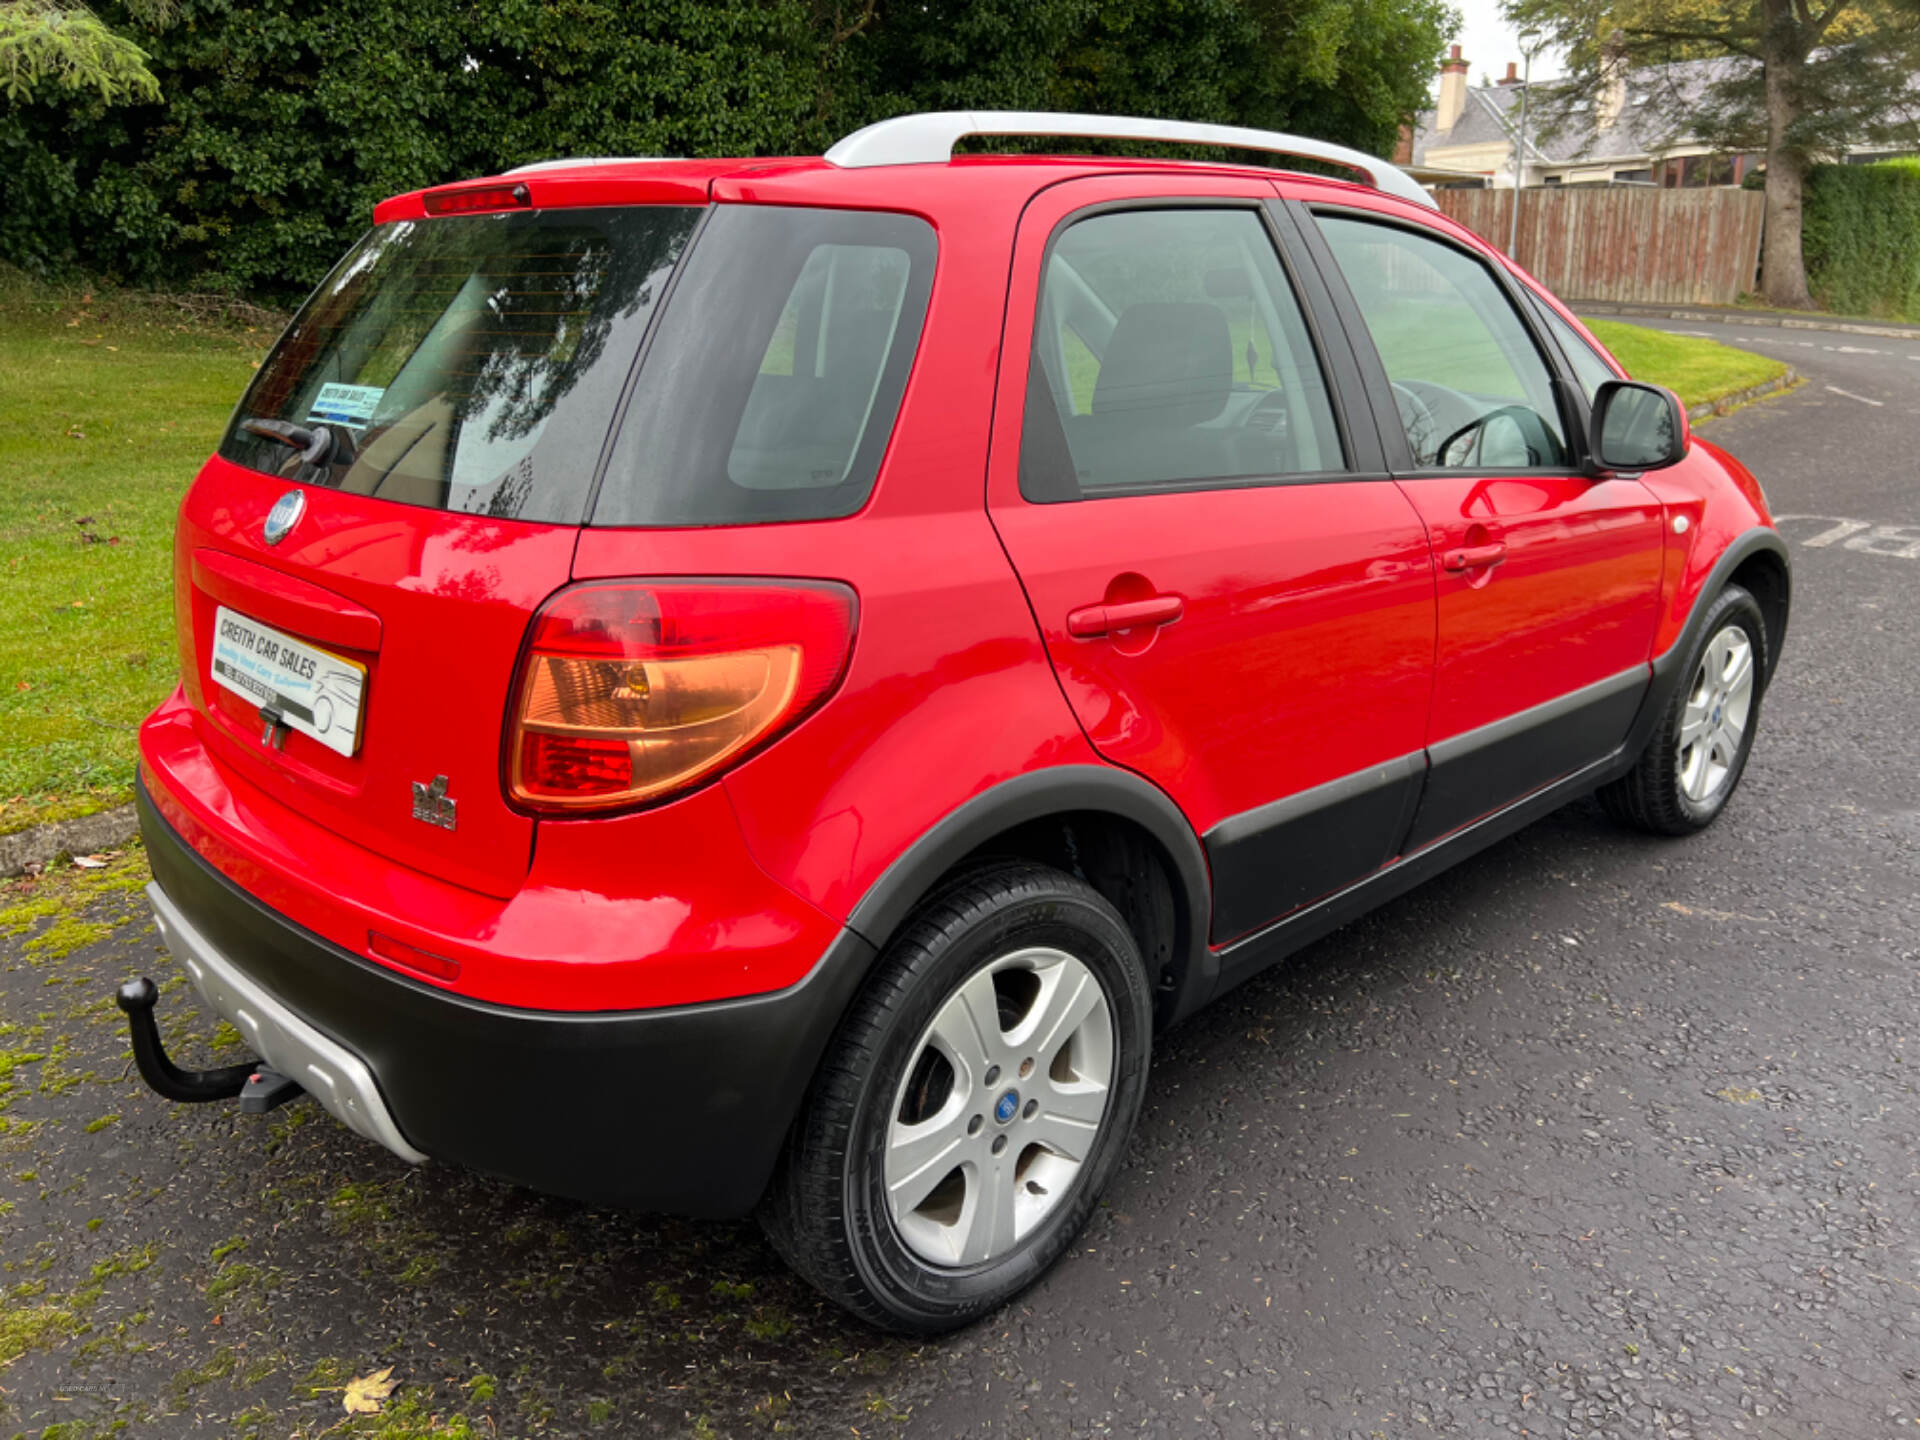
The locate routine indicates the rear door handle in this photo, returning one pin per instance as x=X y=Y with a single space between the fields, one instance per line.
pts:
x=1476 y=557
x=1091 y=620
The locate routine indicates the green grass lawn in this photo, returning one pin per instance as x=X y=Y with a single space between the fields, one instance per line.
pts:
x=1698 y=371
x=107 y=409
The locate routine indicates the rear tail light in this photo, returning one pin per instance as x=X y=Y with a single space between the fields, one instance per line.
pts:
x=632 y=691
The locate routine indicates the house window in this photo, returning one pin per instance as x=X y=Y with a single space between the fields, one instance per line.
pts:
x=1633 y=177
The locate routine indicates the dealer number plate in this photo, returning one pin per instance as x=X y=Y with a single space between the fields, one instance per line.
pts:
x=315 y=691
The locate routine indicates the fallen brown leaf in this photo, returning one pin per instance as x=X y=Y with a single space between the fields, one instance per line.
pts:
x=365 y=1393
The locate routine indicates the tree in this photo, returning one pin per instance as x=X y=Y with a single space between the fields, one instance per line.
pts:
x=284 y=121
x=49 y=45
x=1801 y=79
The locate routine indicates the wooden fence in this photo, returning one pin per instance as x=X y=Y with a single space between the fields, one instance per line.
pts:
x=1625 y=243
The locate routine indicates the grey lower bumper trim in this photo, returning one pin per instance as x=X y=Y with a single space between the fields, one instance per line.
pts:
x=326 y=1069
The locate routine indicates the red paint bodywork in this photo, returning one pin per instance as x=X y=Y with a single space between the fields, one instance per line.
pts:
x=1307 y=649
x=1283 y=585
x=1571 y=603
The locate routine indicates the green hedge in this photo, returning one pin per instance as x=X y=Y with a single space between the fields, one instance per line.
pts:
x=1862 y=238
x=281 y=122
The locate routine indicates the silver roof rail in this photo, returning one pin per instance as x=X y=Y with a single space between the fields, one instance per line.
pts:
x=929 y=140
x=589 y=160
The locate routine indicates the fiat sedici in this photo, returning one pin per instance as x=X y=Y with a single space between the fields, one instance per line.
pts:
x=737 y=686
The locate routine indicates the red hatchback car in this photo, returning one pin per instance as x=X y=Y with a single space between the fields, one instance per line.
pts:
x=760 y=684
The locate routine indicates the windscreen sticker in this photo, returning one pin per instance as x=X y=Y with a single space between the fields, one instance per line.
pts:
x=349 y=405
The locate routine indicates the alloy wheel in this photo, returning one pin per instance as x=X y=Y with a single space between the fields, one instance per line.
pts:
x=999 y=1108
x=1714 y=722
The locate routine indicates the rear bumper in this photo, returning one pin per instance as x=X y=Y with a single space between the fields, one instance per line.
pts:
x=681 y=1110
x=326 y=1070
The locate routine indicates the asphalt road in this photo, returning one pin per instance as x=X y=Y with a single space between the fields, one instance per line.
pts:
x=1596 y=1135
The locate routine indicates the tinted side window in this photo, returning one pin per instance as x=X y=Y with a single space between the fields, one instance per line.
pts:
x=1169 y=351
x=771 y=388
x=1471 y=386
x=1588 y=368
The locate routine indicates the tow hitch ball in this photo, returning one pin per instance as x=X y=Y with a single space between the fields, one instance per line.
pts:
x=258 y=1087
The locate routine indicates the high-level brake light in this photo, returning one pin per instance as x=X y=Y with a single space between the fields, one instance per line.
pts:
x=471 y=198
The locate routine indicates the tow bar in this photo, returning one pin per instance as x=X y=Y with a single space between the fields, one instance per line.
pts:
x=257 y=1086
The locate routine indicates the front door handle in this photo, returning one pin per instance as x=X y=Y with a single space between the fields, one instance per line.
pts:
x=1476 y=557
x=1091 y=620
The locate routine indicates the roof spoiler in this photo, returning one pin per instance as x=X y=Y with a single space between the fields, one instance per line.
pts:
x=928 y=139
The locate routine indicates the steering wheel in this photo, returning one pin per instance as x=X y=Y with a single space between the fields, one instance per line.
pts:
x=1534 y=435
x=1418 y=421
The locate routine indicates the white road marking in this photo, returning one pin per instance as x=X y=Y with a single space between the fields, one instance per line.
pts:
x=1840 y=530
x=1899 y=542
x=1858 y=350
x=1877 y=404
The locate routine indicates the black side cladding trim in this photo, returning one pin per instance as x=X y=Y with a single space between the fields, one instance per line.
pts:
x=1248 y=957
x=1275 y=858
x=1059 y=790
x=1484 y=768
x=681 y=1110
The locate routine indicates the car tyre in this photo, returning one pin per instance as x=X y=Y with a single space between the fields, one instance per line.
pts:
x=1696 y=756
x=909 y=1085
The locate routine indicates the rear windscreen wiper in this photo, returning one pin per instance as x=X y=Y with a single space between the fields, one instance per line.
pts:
x=317 y=445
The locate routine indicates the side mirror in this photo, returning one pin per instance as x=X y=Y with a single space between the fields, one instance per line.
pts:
x=1637 y=427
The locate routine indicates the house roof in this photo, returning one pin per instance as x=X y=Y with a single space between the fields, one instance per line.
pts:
x=1655 y=93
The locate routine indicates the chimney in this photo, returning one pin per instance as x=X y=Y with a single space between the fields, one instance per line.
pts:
x=1512 y=77
x=1453 y=90
x=1613 y=81
x=1403 y=146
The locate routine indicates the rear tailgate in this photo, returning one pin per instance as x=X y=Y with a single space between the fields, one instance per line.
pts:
x=434 y=605
x=429 y=425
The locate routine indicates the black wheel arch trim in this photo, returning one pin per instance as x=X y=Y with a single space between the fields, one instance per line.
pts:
x=1057 y=790
x=1667 y=665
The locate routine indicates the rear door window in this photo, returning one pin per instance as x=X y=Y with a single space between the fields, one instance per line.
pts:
x=469 y=363
x=771 y=387
x=1170 y=353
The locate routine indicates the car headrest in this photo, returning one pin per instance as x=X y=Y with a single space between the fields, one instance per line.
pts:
x=1166 y=365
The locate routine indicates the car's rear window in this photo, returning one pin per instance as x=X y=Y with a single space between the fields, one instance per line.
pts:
x=469 y=363
x=770 y=387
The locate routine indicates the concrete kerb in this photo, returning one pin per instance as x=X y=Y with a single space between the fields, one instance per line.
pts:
x=1706 y=410
x=1738 y=317
x=42 y=844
